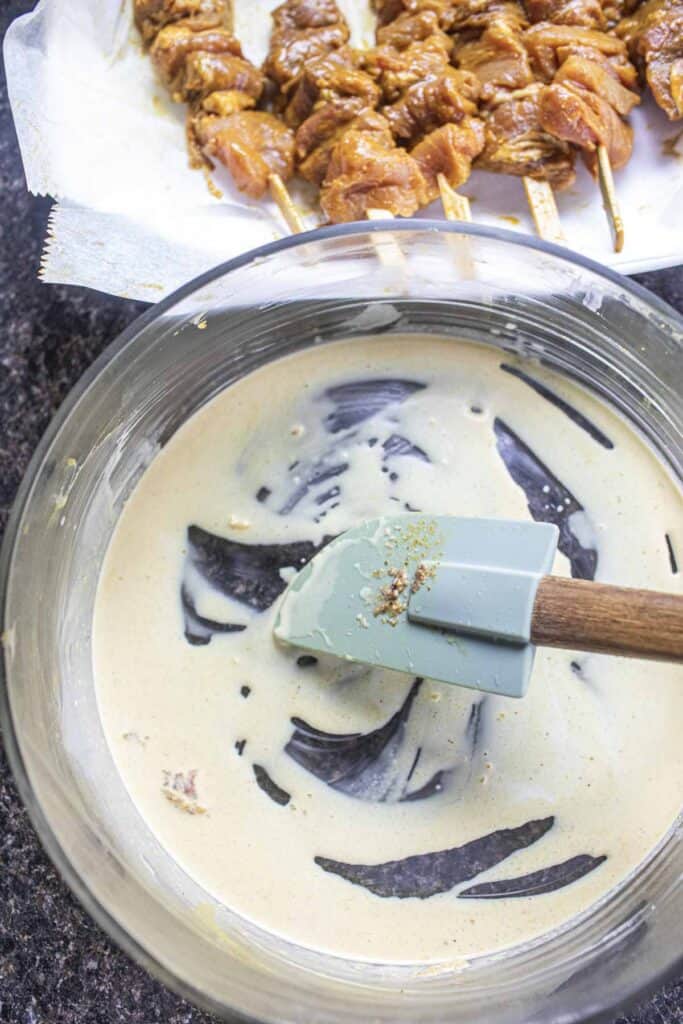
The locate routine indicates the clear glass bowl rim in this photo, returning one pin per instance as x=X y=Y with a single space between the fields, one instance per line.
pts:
x=115 y=931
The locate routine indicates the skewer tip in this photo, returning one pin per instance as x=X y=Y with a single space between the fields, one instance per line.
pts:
x=285 y=204
x=455 y=206
x=609 y=198
x=541 y=200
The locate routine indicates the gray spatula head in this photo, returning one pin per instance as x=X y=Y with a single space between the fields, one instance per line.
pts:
x=436 y=596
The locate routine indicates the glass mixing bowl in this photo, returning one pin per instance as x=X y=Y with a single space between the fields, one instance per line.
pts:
x=490 y=286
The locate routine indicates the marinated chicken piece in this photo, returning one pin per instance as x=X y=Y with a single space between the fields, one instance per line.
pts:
x=410 y=28
x=586 y=13
x=290 y=51
x=205 y=73
x=458 y=17
x=615 y=10
x=318 y=131
x=298 y=14
x=396 y=71
x=654 y=35
x=596 y=74
x=590 y=92
x=153 y=15
x=251 y=144
x=324 y=124
x=330 y=94
x=517 y=144
x=206 y=113
x=367 y=172
x=174 y=44
x=612 y=11
x=586 y=120
x=303 y=31
x=616 y=64
x=549 y=45
x=467 y=19
x=315 y=158
x=498 y=59
x=449 y=150
x=332 y=77
x=226 y=102
x=389 y=10
x=432 y=102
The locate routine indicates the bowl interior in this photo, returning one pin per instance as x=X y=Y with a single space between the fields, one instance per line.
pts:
x=488 y=287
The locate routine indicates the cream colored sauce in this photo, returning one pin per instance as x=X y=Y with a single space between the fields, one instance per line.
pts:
x=601 y=752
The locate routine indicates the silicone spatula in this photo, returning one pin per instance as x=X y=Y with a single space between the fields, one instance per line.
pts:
x=465 y=601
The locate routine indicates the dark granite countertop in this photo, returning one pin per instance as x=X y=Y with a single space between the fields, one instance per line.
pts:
x=56 y=965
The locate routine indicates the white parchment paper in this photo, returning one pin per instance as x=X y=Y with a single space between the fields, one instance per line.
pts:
x=99 y=134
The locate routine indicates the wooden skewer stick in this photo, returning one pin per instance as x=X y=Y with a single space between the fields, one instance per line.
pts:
x=541 y=200
x=386 y=247
x=285 y=205
x=609 y=198
x=455 y=206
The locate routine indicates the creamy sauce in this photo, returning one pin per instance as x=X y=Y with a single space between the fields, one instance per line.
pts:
x=199 y=719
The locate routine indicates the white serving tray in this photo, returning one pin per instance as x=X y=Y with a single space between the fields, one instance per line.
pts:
x=98 y=133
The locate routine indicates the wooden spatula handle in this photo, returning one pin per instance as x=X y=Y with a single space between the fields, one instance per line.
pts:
x=587 y=616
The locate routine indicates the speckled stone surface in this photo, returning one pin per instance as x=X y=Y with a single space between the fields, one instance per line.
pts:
x=56 y=966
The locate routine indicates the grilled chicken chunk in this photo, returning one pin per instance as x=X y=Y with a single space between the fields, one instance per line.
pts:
x=654 y=36
x=153 y=15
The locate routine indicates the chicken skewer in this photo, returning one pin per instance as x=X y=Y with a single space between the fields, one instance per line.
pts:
x=584 y=102
x=350 y=140
x=492 y=39
x=489 y=42
x=330 y=100
x=430 y=106
x=465 y=20
x=654 y=36
x=653 y=33
x=591 y=88
x=201 y=63
x=330 y=97
x=513 y=133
